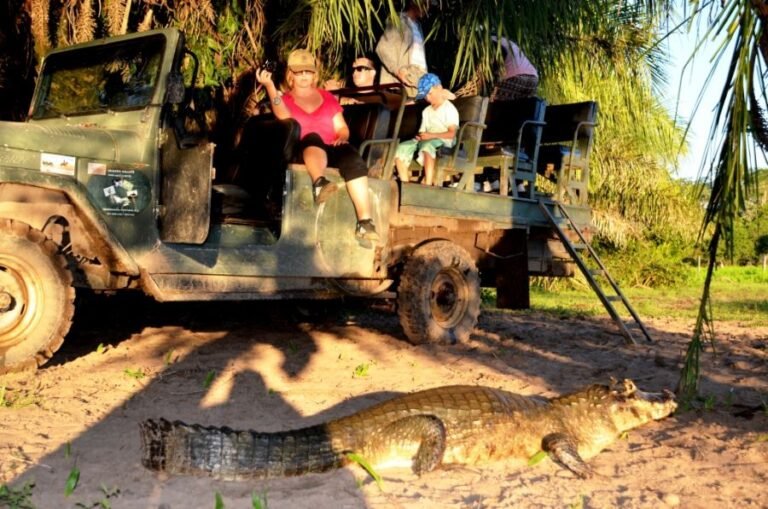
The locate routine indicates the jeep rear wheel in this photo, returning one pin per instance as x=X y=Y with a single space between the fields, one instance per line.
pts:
x=36 y=297
x=438 y=298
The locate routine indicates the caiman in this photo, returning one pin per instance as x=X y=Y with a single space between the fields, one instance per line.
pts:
x=464 y=425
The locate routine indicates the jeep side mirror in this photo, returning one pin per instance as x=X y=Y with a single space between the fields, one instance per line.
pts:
x=175 y=90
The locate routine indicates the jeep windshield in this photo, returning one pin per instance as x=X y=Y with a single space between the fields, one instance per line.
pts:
x=120 y=76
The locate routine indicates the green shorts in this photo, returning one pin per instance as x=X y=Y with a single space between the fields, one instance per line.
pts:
x=406 y=149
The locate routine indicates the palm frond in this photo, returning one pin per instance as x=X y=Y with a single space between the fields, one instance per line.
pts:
x=38 y=12
x=85 y=26
x=116 y=16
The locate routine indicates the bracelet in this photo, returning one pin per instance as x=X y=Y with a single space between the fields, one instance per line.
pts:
x=277 y=100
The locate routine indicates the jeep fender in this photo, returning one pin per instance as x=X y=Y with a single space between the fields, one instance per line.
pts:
x=66 y=216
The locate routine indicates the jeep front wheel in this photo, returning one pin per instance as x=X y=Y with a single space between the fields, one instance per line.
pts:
x=36 y=297
x=438 y=298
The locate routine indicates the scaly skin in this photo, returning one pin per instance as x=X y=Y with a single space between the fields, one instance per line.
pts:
x=466 y=425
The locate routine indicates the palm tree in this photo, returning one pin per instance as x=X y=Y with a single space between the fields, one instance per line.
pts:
x=738 y=132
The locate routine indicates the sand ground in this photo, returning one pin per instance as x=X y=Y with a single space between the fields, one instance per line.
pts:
x=273 y=366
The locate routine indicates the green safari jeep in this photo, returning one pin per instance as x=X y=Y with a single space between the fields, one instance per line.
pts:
x=110 y=185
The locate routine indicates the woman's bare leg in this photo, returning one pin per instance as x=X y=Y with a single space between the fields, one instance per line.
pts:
x=316 y=161
x=358 y=193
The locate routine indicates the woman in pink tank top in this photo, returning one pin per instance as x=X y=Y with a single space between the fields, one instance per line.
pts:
x=324 y=135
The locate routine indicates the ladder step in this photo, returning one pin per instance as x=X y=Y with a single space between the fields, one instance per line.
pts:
x=563 y=222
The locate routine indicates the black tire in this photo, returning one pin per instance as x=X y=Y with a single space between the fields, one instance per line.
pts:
x=37 y=299
x=438 y=299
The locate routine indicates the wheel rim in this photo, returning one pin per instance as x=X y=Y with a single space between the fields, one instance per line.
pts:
x=448 y=298
x=20 y=294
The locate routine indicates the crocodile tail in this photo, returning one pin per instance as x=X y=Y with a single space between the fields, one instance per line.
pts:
x=179 y=448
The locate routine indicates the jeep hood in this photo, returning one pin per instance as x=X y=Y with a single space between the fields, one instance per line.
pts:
x=88 y=142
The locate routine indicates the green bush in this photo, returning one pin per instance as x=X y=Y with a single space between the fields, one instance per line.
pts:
x=647 y=266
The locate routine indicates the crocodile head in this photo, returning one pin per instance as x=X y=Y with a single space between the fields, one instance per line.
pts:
x=631 y=407
x=595 y=417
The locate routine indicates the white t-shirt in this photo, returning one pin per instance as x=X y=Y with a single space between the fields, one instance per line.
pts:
x=438 y=120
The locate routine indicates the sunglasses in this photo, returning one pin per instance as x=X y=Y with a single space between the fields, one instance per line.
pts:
x=300 y=73
x=361 y=68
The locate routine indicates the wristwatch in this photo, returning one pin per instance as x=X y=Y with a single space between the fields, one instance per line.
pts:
x=277 y=100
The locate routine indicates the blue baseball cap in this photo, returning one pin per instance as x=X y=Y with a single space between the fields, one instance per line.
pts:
x=426 y=83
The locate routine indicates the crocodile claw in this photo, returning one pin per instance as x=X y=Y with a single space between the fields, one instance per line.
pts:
x=564 y=451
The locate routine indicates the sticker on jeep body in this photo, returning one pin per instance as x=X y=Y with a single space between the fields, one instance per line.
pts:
x=58 y=164
x=119 y=192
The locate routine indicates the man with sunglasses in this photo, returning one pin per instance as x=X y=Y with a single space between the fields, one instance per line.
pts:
x=363 y=72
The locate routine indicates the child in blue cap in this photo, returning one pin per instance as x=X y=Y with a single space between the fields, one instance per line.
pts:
x=439 y=122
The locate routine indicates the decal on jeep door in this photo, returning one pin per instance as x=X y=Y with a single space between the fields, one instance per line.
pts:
x=118 y=192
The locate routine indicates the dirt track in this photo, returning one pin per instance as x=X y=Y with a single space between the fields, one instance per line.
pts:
x=276 y=366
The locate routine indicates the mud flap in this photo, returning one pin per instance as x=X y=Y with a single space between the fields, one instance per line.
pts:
x=512 y=285
x=185 y=214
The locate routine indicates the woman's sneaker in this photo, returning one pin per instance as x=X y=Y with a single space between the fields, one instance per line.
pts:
x=365 y=230
x=322 y=189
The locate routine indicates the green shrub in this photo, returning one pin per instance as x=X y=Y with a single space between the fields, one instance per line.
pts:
x=647 y=265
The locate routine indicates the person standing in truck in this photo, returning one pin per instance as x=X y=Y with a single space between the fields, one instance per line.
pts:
x=520 y=78
x=401 y=49
x=324 y=135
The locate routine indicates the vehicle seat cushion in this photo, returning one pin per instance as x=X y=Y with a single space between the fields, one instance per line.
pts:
x=366 y=122
x=563 y=120
x=470 y=108
x=505 y=119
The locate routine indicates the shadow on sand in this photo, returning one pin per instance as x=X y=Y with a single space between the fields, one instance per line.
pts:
x=205 y=364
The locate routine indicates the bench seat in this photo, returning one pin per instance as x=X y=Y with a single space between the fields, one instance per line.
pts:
x=566 y=148
x=510 y=143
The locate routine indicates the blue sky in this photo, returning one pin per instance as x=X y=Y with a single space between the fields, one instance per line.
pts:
x=683 y=91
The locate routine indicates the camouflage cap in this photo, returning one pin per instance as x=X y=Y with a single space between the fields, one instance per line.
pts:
x=301 y=60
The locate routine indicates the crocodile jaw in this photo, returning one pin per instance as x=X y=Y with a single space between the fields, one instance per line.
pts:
x=632 y=407
x=658 y=404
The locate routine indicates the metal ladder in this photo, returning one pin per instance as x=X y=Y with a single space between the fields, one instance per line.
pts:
x=560 y=219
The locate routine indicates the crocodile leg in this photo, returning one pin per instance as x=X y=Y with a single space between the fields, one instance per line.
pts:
x=420 y=438
x=563 y=450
